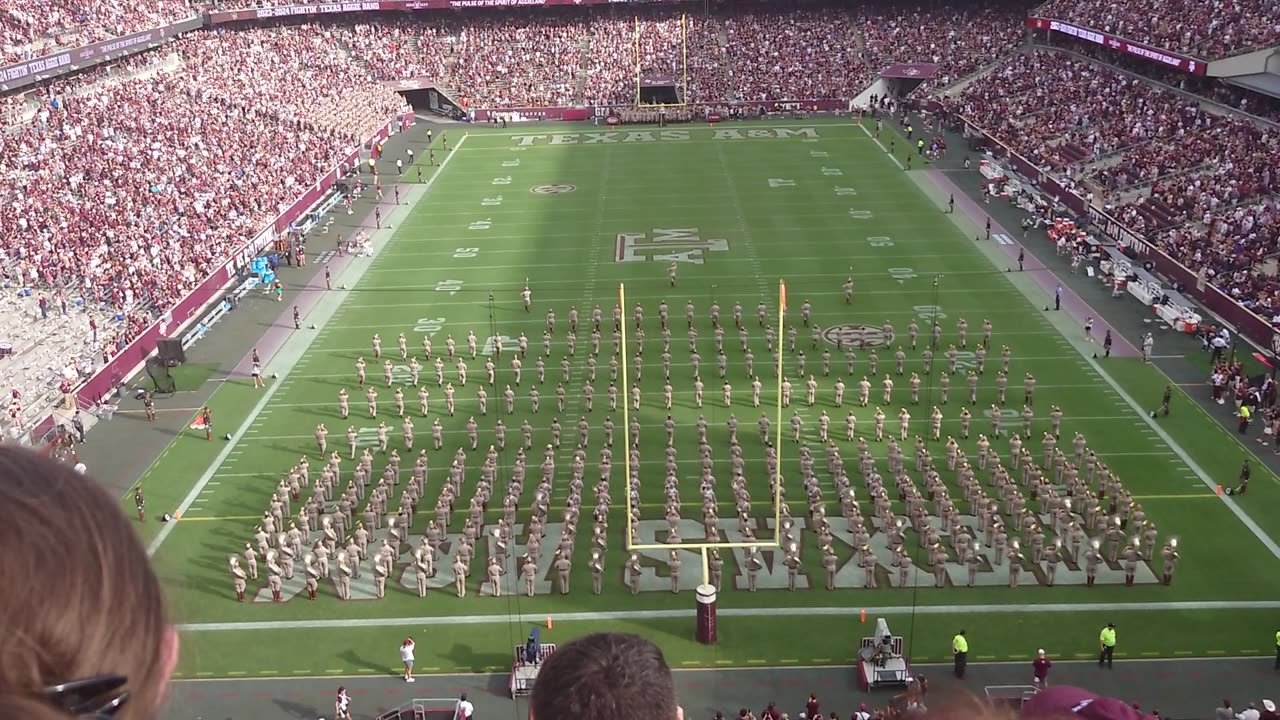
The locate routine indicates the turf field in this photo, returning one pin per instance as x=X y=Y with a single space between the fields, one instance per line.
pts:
x=738 y=208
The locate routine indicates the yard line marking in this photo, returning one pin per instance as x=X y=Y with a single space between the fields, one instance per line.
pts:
x=895 y=160
x=999 y=608
x=298 y=351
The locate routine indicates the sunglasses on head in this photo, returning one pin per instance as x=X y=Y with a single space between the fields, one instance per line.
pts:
x=95 y=698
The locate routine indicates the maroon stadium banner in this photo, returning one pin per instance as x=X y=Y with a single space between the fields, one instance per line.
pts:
x=1254 y=327
x=126 y=362
x=910 y=71
x=1164 y=57
x=28 y=72
x=346 y=7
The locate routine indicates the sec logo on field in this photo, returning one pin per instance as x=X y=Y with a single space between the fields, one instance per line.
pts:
x=552 y=189
x=856 y=336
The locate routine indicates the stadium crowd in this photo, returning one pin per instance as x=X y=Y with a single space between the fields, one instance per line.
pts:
x=960 y=40
x=1086 y=113
x=32 y=29
x=1203 y=185
x=1214 y=89
x=125 y=209
x=1208 y=30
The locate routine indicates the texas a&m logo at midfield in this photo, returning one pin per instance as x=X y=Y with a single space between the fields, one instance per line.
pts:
x=684 y=245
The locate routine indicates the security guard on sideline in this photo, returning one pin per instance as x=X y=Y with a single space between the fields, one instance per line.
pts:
x=960 y=649
x=1107 y=641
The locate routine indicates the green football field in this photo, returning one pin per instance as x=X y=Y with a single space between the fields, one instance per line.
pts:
x=738 y=208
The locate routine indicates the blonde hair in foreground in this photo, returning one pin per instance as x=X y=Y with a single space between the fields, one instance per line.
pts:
x=79 y=597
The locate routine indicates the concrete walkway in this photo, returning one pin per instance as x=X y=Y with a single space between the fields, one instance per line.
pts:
x=1177 y=688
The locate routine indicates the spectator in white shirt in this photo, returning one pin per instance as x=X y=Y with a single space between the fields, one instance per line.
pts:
x=406 y=657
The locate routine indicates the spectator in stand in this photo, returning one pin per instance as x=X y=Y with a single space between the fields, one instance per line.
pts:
x=1208 y=30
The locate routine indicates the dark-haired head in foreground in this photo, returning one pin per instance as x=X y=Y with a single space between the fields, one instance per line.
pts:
x=605 y=676
x=79 y=598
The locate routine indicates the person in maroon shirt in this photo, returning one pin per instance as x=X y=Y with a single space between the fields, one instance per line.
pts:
x=1040 y=670
x=770 y=712
x=811 y=706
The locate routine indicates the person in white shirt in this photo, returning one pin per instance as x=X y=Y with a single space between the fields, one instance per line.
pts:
x=1250 y=713
x=342 y=704
x=466 y=709
x=406 y=656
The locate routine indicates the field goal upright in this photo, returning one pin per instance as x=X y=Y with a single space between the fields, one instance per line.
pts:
x=703 y=547
x=662 y=87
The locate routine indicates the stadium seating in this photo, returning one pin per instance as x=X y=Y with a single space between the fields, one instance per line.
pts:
x=1208 y=30
x=128 y=208
x=31 y=29
x=961 y=41
x=1144 y=149
x=1202 y=186
x=1212 y=88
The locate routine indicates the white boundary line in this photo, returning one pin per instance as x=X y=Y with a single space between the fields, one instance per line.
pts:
x=539 y=618
x=895 y=160
x=297 y=351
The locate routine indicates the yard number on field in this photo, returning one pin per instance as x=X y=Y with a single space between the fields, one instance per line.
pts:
x=450 y=286
x=480 y=225
x=902 y=274
x=466 y=252
x=779 y=182
x=859 y=214
x=430 y=326
x=492 y=202
x=880 y=241
x=929 y=312
x=846 y=191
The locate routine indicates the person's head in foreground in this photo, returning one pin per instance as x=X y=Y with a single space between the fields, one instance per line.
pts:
x=79 y=605
x=1063 y=702
x=605 y=676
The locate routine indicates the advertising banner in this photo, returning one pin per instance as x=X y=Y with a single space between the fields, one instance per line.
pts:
x=19 y=75
x=1164 y=57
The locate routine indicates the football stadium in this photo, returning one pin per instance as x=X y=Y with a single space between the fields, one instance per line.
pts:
x=905 y=358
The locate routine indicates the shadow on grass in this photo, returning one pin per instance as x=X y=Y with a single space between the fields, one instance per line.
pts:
x=352 y=659
x=464 y=656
